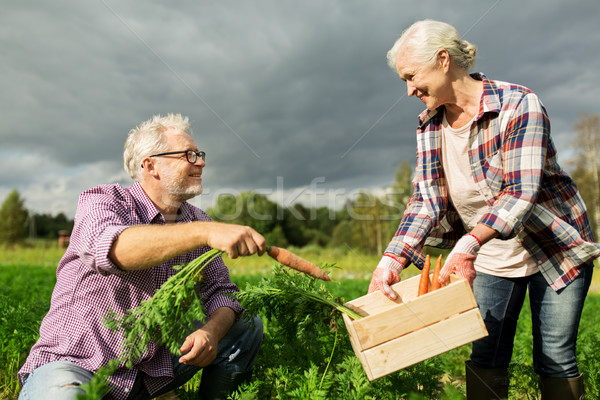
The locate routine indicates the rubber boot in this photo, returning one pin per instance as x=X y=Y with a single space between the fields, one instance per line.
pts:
x=562 y=388
x=486 y=383
x=217 y=383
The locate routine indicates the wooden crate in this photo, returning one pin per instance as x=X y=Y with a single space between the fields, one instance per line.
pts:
x=396 y=334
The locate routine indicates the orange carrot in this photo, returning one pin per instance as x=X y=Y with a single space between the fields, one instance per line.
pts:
x=291 y=260
x=424 y=282
x=435 y=280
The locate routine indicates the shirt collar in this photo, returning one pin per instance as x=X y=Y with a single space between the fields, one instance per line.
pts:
x=151 y=213
x=490 y=101
x=145 y=206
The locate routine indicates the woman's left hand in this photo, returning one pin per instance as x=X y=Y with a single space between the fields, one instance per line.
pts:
x=461 y=259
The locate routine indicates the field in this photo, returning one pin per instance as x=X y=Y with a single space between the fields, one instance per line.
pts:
x=303 y=356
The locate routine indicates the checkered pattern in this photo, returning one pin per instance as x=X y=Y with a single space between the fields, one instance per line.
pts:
x=514 y=163
x=88 y=284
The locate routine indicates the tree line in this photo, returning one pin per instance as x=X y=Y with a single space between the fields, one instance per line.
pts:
x=17 y=223
x=366 y=221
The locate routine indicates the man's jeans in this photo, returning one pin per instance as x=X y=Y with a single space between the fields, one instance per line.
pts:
x=61 y=379
x=554 y=319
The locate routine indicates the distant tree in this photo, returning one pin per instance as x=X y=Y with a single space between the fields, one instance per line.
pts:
x=47 y=226
x=587 y=165
x=322 y=219
x=225 y=209
x=317 y=237
x=367 y=225
x=398 y=196
x=402 y=188
x=13 y=218
x=259 y=212
x=248 y=208
x=294 y=225
x=375 y=219
x=342 y=235
x=277 y=237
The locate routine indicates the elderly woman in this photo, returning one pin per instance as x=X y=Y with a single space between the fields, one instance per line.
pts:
x=489 y=185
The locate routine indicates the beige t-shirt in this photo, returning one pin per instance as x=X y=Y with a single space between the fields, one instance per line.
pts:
x=506 y=258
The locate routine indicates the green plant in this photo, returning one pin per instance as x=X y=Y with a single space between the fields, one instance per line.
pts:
x=24 y=299
x=289 y=295
x=286 y=354
x=166 y=319
x=306 y=339
x=19 y=325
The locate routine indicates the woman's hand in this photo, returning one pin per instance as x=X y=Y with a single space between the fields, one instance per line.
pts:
x=386 y=274
x=461 y=259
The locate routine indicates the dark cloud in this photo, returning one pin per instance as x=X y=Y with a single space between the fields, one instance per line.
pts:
x=276 y=91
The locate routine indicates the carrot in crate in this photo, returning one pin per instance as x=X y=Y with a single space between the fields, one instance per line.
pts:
x=424 y=282
x=435 y=284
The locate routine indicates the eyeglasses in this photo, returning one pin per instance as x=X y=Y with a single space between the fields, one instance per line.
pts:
x=190 y=155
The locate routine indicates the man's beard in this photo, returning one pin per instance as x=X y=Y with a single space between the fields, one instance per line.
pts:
x=177 y=187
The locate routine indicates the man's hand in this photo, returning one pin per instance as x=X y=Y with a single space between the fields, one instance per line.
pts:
x=461 y=259
x=235 y=240
x=386 y=274
x=199 y=348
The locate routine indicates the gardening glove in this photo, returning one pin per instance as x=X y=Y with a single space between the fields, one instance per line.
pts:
x=461 y=258
x=386 y=274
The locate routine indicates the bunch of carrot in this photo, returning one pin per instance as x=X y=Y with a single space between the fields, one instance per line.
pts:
x=424 y=282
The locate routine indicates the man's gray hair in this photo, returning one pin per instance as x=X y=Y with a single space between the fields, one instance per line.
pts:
x=147 y=139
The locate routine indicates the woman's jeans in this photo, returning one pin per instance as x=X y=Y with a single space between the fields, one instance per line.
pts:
x=61 y=379
x=554 y=319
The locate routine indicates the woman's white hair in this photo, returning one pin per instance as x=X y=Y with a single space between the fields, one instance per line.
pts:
x=425 y=38
x=147 y=139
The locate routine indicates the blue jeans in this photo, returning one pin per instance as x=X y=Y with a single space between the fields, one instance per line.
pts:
x=554 y=318
x=60 y=380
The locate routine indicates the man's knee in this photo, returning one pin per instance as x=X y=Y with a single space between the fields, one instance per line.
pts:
x=59 y=379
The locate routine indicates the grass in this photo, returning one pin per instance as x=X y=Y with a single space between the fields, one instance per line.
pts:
x=24 y=300
x=27 y=277
x=41 y=253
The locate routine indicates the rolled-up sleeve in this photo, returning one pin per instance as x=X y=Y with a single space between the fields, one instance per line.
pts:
x=215 y=283
x=100 y=219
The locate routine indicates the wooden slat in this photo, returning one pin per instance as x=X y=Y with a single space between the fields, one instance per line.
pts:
x=425 y=343
x=356 y=346
x=377 y=302
x=415 y=314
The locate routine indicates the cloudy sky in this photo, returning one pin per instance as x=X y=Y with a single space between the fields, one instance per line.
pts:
x=292 y=99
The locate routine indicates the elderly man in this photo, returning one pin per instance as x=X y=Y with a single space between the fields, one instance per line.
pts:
x=124 y=243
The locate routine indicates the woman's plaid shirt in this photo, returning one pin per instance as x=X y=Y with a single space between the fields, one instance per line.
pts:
x=514 y=164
